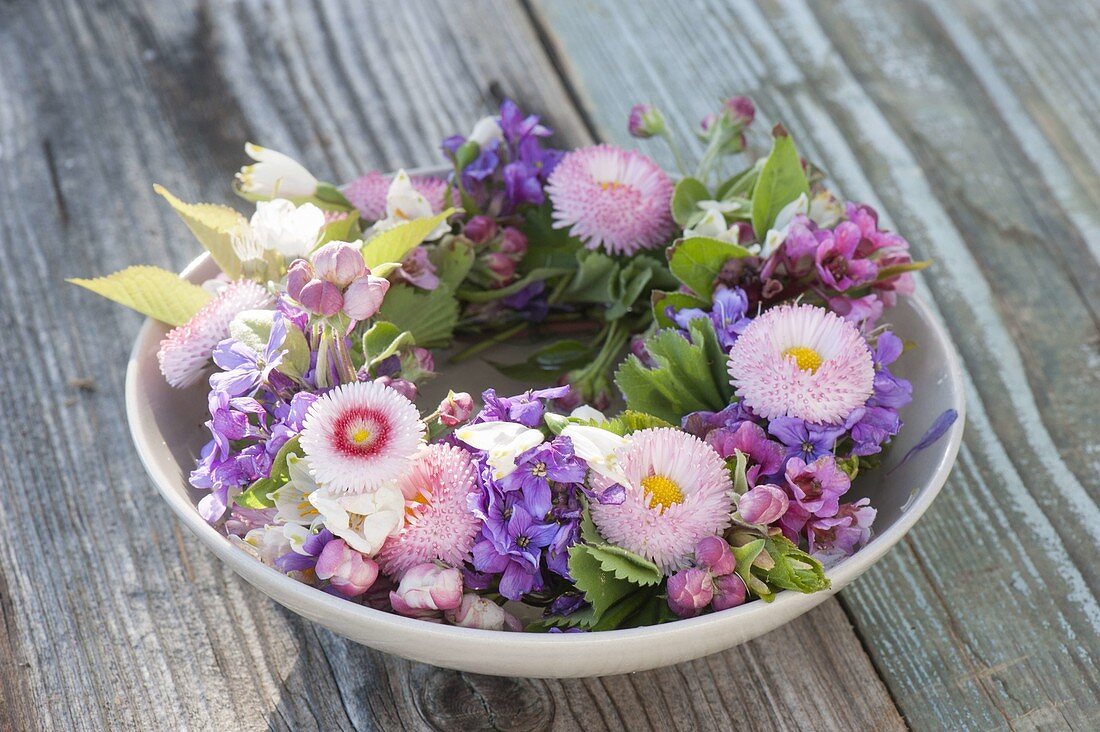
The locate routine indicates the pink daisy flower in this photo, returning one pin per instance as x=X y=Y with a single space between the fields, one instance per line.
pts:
x=186 y=350
x=360 y=436
x=438 y=524
x=368 y=193
x=612 y=198
x=802 y=361
x=677 y=492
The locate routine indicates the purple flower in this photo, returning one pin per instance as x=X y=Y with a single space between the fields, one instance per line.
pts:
x=701 y=423
x=306 y=558
x=835 y=537
x=526 y=409
x=243 y=368
x=418 y=270
x=836 y=262
x=765 y=457
x=550 y=461
x=530 y=303
x=516 y=127
x=522 y=184
x=804 y=440
x=817 y=487
x=713 y=554
x=729 y=591
x=727 y=313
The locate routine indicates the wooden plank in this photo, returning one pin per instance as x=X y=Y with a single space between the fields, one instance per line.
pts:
x=114 y=618
x=986 y=616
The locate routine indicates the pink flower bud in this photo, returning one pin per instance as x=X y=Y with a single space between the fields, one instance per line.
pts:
x=364 y=297
x=339 y=262
x=502 y=267
x=690 y=591
x=713 y=553
x=403 y=387
x=427 y=587
x=456 y=408
x=321 y=297
x=478 y=612
x=513 y=243
x=740 y=110
x=764 y=504
x=424 y=359
x=729 y=591
x=300 y=272
x=480 y=229
x=645 y=121
x=349 y=572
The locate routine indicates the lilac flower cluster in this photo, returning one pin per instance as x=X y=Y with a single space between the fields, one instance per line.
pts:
x=503 y=165
x=532 y=515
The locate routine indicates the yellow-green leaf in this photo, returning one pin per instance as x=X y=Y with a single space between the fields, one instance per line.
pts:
x=152 y=291
x=394 y=244
x=213 y=225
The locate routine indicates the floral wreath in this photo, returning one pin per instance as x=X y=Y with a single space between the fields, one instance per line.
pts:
x=756 y=379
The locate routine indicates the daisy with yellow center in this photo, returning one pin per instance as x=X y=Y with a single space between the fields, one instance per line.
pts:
x=802 y=361
x=677 y=491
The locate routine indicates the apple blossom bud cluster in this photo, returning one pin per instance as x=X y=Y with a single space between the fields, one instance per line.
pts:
x=335 y=279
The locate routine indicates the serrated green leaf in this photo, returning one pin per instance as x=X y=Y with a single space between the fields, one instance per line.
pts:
x=583 y=618
x=793 y=569
x=601 y=589
x=213 y=225
x=681 y=382
x=781 y=181
x=703 y=333
x=392 y=245
x=430 y=316
x=593 y=278
x=547 y=247
x=697 y=261
x=453 y=259
x=152 y=291
x=626 y=565
x=685 y=201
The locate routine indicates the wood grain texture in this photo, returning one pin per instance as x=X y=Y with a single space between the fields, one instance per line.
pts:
x=113 y=618
x=970 y=128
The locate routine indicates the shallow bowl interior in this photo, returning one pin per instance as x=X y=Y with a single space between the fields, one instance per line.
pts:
x=166 y=425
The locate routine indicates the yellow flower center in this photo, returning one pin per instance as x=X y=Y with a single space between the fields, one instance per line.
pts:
x=612 y=184
x=664 y=491
x=416 y=505
x=806 y=359
x=360 y=435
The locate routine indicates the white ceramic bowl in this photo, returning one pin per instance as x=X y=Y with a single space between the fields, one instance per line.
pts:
x=166 y=425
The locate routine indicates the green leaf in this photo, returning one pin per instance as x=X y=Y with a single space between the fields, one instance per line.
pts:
x=345 y=229
x=702 y=332
x=627 y=288
x=253 y=329
x=793 y=568
x=453 y=259
x=256 y=495
x=681 y=382
x=280 y=470
x=547 y=247
x=601 y=589
x=384 y=339
x=392 y=245
x=677 y=301
x=593 y=278
x=631 y=421
x=697 y=261
x=152 y=291
x=745 y=556
x=781 y=181
x=740 y=184
x=738 y=466
x=620 y=613
x=213 y=225
x=626 y=565
x=583 y=618
x=430 y=316
x=896 y=269
x=685 y=201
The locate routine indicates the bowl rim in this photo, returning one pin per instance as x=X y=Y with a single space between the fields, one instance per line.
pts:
x=145 y=435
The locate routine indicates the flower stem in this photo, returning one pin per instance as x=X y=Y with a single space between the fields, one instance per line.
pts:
x=676 y=155
x=482 y=345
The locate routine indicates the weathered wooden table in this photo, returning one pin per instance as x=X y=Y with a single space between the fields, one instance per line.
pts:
x=973 y=127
